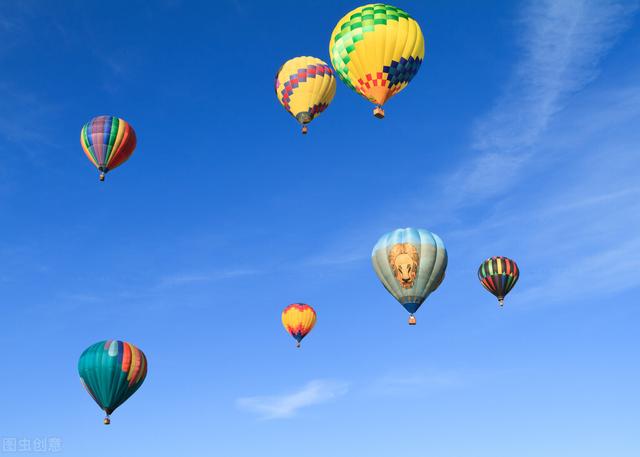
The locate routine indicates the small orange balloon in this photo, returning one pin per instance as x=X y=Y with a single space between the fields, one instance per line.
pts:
x=298 y=319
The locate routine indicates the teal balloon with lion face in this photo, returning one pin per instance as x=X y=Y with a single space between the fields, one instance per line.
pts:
x=411 y=264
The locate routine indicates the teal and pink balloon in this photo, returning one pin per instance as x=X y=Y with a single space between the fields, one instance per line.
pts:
x=108 y=142
x=411 y=264
x=111 y=372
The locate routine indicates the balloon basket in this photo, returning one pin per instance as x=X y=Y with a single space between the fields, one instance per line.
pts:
x=378 y=112
x=412 y=320
x=107 y=421
x=305 y=129
x=298 y=345
x=501 y=302
x=101 y=176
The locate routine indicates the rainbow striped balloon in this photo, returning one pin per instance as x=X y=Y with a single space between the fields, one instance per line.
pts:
x=111 y=371
x=298 y=319
x=498 y=275
x=108 y=142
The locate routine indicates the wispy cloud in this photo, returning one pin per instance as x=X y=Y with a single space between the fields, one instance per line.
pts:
x=595 y=250
x=82 y=297
x=425 y=383
x=288 y=404
x=12 y=24
x=561 y=47
x=19 y=140
x=6 y=25
x=602 y=272
x=191 y=278
x=340 y=255
x=575 y=239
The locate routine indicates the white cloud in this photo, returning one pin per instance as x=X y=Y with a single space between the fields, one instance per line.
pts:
x=605 y=271
x=190 y=278
x=575 y=237
x=336 y=256
x=414 y=383
x=24 y=110
x=287 y=405
x=562 y=44
x=561 y=47
x=588 y=237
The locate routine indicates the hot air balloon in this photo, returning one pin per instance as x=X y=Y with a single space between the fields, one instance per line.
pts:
x=376 y=50
x=111 y=371
x=498 y=275
x=305 y=86
x=108 y=142
x=298 y=319
x=411 y=264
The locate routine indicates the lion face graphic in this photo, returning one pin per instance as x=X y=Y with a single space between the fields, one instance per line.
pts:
x=404 y=259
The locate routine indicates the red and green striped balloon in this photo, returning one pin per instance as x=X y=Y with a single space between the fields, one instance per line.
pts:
x=108 y=142
x=111 y=371
x=498 y=275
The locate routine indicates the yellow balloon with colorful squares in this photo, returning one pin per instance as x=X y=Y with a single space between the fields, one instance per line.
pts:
x=305 y=86
x=376 y=50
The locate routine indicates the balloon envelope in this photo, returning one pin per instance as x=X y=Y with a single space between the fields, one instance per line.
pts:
x=108 y=142
x=305 y=87
x=298 y=319
x=498 y=275
x=411 y=264
x=376 y=50
x=111 y=371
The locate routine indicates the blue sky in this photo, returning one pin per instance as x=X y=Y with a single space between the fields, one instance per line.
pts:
x=518 y=137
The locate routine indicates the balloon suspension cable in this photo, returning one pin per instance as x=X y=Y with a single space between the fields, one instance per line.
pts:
x=501 y=302
x=102 y=176
x=412 y=320
x=378 y=112
x=107 y=420
x=305 y=129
